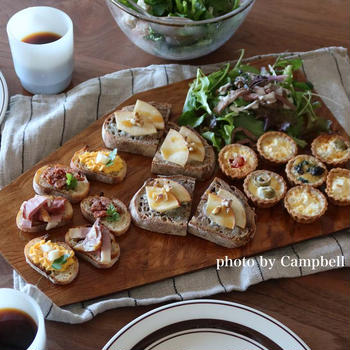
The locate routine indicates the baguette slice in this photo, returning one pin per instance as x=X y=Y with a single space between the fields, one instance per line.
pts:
x=199 y=170
x=144 y=145
x=202 y=226
x=55 y=277
x=40 y=226
x=42 y=187
x=92 y=257
x=117 y=227
x=173 y=222
x=112 y=178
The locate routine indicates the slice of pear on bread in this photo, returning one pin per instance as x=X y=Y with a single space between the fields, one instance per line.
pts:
x=150 y=113
x=127 y=122
x=194 y=143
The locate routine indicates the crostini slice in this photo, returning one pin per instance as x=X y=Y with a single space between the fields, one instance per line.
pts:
x=61 y=180
x=42 y=213
x=56 y=261
x=102 y=165
x=113 y=213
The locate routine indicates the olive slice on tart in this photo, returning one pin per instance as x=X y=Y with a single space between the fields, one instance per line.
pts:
x=306 y=170
x=305 y=204
x=331 y=149
x=338 y=186
x=264 y=188
x=276 y=147
x=237 y=161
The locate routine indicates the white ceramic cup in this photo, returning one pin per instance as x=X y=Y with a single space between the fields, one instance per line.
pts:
x=11 y=298
x=42 y=68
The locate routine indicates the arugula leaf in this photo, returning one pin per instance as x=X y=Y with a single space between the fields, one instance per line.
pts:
x=112 y=155
x=59 y=262
x=112 y=214
x=190 y=118
x=214 y=139
x=71 y=181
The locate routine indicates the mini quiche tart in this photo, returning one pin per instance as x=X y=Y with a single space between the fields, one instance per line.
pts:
x=265 y=188
x=277 y=147
x=305 y=204
x=306 y=170
x=338 y=186
x=333 y=149
x=237 y=161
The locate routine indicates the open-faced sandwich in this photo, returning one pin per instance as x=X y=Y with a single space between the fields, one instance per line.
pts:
x=184 y=152
x=60 y=180
x=43 y=213
x=54 y=260
x=112 y=212
x=137 y=128
x=101 y=165
x=223 y=216
x=95 y=244
x=163 y=204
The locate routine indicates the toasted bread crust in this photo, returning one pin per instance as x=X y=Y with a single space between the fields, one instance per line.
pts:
x=54 y=277
x=238 y=237
x=97 y=176
x=41 y=187
x=199 y=170
x=123 y=224
x=67 y=217
x=157 y=224
x=146 y=146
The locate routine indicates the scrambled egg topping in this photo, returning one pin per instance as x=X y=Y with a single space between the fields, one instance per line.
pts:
x=331 y=151
x=277 y=147
x=305 y=203
x=341 y=187
x=97 y=161
x=45 y=253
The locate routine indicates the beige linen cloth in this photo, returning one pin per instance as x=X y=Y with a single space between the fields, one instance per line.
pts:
x=36 y=126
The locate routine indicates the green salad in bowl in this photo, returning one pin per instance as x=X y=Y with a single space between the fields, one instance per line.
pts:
x=240 y=103
x=179 y=29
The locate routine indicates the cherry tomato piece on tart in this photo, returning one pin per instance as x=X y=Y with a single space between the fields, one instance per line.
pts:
x=306 y=170
x=338 y=186
x=305 y=204
x=276 y=147
x=237 y=161
x=331 y=149
x=264 y=188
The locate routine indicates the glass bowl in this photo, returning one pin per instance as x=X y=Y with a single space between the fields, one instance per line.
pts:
x=176 y=38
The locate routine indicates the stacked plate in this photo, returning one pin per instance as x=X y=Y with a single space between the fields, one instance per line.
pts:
x=3 y=97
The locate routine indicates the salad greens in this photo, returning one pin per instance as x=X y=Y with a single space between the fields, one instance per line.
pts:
x=112 y=214
x=59 y=262
x=71 y=181
x=111 y=156
x=192 y=9
x=240 y=103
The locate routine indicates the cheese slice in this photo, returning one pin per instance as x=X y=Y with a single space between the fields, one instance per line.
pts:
x=149 y=113
x=160 y=200
x=237 y=206
x=194 y=144
x=174 y=148
x=126 y=122
x=223 y=216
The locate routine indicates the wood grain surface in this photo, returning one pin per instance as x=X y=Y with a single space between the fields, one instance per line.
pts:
x=145 y=255
x=316 y=307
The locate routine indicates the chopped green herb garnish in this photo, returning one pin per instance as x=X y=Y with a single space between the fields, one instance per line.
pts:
x=59 y=262
x=112 y=214
x=112 y=155
x=71 y=181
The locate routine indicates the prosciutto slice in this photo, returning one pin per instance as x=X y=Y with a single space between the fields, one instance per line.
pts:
x=33 y=205
x=93 y=239
x=106 y=249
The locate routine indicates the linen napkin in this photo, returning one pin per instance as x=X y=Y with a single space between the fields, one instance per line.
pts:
x=58 y=118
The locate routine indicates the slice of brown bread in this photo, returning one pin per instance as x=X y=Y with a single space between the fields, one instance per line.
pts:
x=200 y=225
x=144 y=145
x=172 y=222
x=199 y=170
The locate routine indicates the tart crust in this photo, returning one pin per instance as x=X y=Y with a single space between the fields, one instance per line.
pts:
x=294 y=178
x=229 y=153
x=320 y=142
x=269 y=155
x=265 y=202
x=305 y=190
x=334 y=197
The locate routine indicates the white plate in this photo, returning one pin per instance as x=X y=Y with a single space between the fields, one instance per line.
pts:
x=205 y=325
x=4 y=97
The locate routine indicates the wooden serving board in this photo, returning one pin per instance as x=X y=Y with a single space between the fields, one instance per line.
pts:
x=146 y=256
